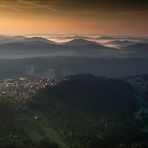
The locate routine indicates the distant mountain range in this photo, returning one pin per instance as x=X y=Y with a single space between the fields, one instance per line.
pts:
x=122 y=43
x=106 y=38
x=40 y=46
x=138 y=49
x=13 y=39
x=10 y=39
x=39 y=39
x=131 y=38
x=80 y=42
x=38 y=56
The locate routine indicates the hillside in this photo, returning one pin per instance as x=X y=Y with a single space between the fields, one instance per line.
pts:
x=77 y=111
x=80 y=42
x=85 y=107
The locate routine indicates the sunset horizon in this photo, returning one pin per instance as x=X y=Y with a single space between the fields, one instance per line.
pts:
x=74 y=73
x=73 y=17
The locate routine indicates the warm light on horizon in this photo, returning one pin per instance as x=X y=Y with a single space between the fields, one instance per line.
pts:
x=62 y=17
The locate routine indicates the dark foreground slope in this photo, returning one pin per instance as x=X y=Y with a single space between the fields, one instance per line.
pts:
x=88 y=92
x=81 y=111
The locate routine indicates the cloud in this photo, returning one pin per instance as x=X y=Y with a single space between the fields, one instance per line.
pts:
x=74 y=6
x=89 y=4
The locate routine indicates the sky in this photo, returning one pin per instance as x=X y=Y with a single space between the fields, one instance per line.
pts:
x=19 y=17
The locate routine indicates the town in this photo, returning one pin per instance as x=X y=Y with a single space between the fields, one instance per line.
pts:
x=23 y=87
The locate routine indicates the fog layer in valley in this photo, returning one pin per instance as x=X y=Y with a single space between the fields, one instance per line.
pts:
x=63 y=55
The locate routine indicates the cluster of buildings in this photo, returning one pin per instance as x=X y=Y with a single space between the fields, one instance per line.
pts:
x=23 y=87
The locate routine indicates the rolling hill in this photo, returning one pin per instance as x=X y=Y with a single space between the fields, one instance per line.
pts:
x=80 y=42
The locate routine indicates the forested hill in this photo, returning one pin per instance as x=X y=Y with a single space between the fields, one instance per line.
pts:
x=80 y=111
x=96 y=93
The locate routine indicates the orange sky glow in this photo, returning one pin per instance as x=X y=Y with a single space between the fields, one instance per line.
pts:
x=61 y=17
